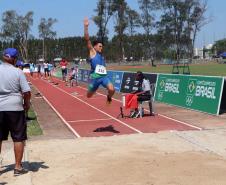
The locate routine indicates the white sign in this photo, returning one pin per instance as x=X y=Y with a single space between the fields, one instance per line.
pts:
x=100 y=70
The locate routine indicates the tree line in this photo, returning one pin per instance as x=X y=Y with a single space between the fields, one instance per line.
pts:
x=159 y=29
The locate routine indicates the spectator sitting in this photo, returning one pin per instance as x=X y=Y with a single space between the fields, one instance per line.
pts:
x=142 y=94
x=73 y=76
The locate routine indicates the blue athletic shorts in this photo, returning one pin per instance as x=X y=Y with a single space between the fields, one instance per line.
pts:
x=96 y=82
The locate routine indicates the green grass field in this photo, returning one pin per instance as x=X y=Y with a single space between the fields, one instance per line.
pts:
x=33 y=128
x=208 y=69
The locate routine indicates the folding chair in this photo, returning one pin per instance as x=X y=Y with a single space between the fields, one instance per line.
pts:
x=150 y=103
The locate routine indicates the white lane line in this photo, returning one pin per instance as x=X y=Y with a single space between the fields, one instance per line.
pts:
x=69 y=126
x=181 y=122
x=187 y=124
x=132 y=128
x=89 y=120
x=73 y=131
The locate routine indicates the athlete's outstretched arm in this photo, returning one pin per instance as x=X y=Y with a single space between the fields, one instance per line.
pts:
x=86 y=35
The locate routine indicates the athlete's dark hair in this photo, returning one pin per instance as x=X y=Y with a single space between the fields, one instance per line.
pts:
x=95 y=42
x=140 y=75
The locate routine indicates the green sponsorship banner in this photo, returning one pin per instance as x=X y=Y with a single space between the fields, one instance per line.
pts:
x=193 y=92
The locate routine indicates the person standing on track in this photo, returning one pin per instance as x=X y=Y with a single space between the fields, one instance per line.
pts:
x=98 y=74
x=32 y=68
x=50 y=70
x=63 y=65
x=14 y=101
x=39 y=66
x=46 y=71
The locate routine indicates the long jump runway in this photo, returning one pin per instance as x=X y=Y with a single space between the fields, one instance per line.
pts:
x=92 y=117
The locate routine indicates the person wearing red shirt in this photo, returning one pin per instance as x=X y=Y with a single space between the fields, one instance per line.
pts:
x=63 y=65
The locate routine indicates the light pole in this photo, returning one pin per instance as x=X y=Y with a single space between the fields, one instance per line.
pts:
x=56 y=51
x=62 y=50
x=43 y=42
x=43 y=48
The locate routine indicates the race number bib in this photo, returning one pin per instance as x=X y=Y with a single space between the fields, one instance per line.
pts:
x=63 y=67
x=100 y=70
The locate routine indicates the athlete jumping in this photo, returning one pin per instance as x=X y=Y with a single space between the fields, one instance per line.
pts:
x=98 y=75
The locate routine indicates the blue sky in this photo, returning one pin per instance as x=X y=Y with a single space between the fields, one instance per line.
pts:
x=70 y=14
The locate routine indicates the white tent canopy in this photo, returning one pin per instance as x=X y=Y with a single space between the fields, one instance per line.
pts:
x=41 y=60
x=57 y=59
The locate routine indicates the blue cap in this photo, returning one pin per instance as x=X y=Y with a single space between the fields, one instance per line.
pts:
x=19 y=63
x=10 y=53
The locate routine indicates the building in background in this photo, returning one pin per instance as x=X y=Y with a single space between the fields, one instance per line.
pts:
x=204 y=53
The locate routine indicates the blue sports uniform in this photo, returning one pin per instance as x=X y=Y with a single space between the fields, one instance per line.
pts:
x=97 y=79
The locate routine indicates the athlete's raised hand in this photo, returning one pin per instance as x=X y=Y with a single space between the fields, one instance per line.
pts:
x=86 y=21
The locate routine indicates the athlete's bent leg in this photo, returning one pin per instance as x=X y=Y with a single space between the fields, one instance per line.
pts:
x=89 y=94
x=92 y=87
x=111 y=90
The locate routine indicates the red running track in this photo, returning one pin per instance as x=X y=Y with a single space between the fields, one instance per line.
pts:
x=92 y=117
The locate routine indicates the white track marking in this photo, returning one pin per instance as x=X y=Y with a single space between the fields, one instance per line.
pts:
x=132 y=128
x=38 y=97
x=89 y=120
x=73 y=131
x=69 y=126
x=181 y=122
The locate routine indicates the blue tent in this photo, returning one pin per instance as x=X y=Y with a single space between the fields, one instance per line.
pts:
x=223 y=55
